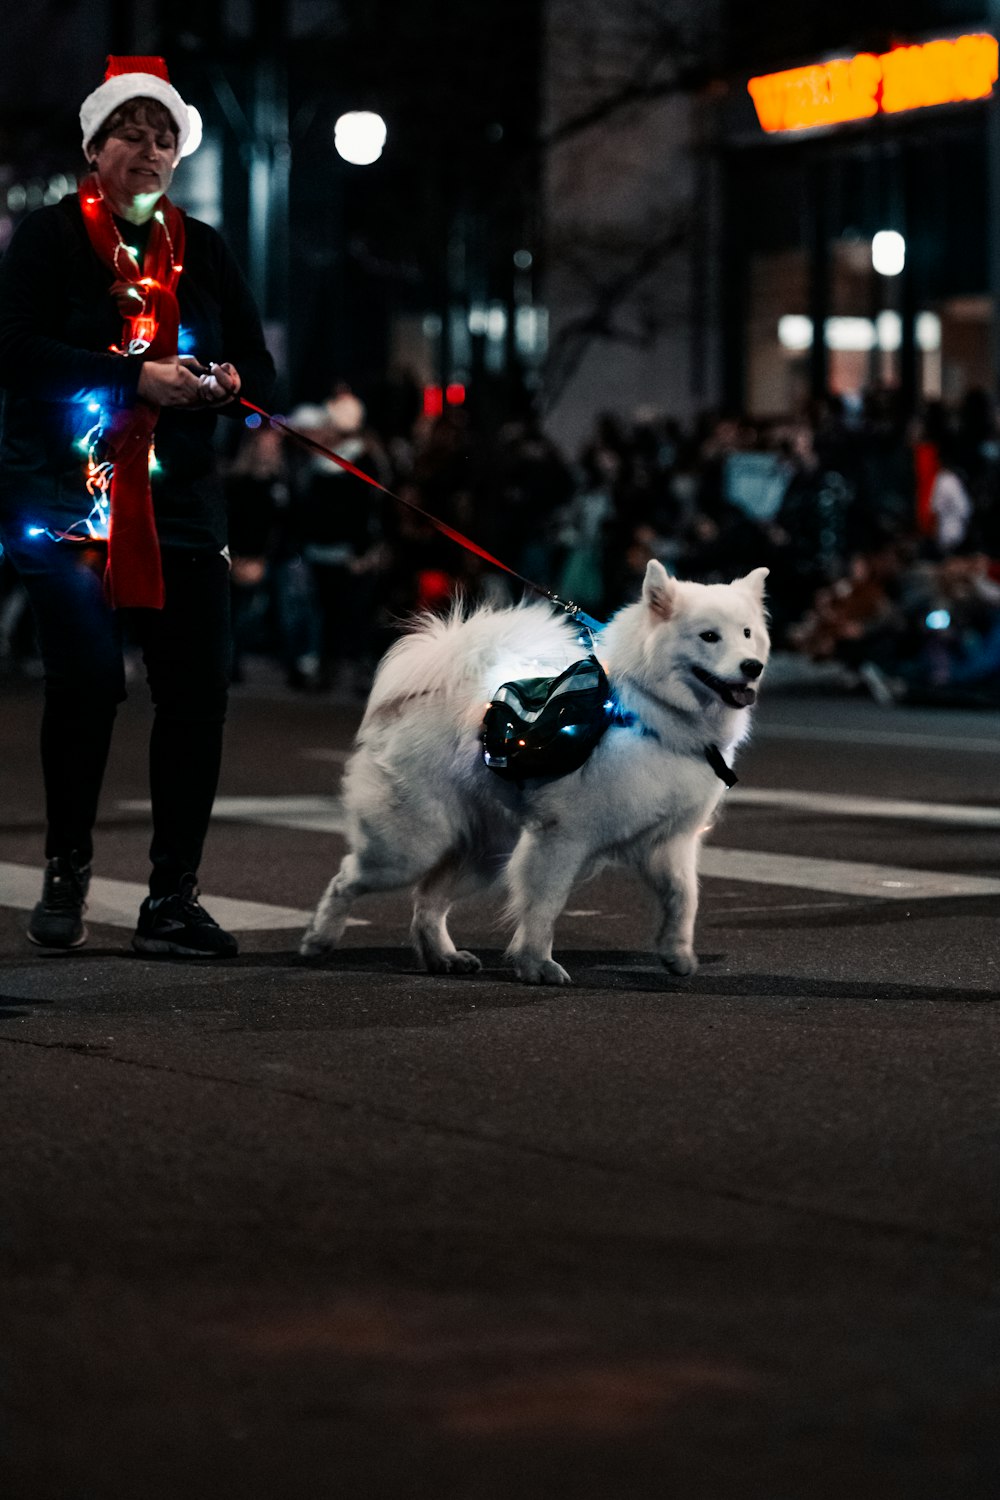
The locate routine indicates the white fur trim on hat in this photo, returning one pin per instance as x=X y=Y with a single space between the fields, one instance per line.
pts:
x=103 y=102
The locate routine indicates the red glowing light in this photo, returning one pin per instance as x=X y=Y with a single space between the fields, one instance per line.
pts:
x=434 y=589
x=433 y=400
x=455 y=394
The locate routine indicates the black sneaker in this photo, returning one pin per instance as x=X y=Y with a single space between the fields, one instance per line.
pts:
x=177 y=924
x=57 y=920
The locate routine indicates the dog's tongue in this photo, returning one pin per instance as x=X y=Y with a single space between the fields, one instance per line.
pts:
x=741 y=697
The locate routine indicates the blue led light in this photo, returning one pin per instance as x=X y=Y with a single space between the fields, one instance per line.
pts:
x=938 y=619
x=36 y=531
x=252 y=420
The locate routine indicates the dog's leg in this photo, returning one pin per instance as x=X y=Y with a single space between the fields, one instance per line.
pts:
x=540 y=877
x=355 y=878
x=452 y=878
x=330 y=917
x=672 y=871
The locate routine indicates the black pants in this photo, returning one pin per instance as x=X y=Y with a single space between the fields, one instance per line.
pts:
x=186 y=648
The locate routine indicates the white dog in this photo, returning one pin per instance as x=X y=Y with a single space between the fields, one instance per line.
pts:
x=422 y=807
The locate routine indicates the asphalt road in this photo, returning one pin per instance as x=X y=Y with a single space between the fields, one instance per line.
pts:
x=270 y=1231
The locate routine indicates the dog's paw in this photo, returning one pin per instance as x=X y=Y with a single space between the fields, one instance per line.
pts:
x=540 y=971
x=683 y=963
x=459 y=962
x=315 y=946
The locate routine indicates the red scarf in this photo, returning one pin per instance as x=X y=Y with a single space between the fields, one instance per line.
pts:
x=147 y=301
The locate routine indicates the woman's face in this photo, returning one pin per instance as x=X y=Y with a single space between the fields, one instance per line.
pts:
x=135 y=165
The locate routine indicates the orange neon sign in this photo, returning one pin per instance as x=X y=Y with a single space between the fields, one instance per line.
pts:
x=854 y=88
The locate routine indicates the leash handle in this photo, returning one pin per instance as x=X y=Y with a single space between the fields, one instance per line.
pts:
x=571 y=609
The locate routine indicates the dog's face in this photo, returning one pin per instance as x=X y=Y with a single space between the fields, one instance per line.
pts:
x=707 y=644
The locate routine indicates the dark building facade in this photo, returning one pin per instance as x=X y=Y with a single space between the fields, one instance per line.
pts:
x=805 y=193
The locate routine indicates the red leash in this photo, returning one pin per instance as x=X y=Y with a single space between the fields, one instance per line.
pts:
x=439 y=525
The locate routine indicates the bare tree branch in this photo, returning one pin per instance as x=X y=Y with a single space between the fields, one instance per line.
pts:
x=637 y=91
x=607 y=65
x=602 y=319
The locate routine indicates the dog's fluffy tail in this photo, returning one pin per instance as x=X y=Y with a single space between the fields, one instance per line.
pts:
x=471 y=653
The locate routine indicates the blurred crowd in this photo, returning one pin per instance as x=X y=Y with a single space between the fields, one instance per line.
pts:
x=882 y=534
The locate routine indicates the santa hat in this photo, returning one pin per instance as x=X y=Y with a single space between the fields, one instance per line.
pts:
x=133 y=78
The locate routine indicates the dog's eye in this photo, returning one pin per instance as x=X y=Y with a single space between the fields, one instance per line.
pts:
x=746 y=631
x=710 y=635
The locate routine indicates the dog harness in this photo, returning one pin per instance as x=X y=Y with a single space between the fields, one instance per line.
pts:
x=541 y=728
x=544 y=727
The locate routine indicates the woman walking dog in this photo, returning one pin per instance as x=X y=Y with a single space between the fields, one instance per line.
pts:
x=124 y=326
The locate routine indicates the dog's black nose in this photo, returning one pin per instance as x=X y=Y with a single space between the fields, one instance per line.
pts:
x=751 y=668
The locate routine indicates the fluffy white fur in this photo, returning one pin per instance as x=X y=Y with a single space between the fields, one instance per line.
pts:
x=424 y=810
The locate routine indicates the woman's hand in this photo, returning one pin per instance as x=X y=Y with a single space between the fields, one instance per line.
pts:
x=181 y=381
x=168 y=382
x=217 y=384
x=223 y=379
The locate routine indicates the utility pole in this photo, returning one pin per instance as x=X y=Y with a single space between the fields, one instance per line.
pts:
x=269 y=170
x=817 y=191
x=993 y=206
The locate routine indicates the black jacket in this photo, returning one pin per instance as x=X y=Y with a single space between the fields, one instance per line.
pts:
x=57 y=322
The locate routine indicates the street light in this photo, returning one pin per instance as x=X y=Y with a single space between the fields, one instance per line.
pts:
x=359 y=137
x=888 y=252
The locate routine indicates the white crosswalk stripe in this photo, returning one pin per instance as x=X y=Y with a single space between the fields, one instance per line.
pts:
x=314 y=814
x=837 y=805
x=324 y=814
x=897 y=737
x=116 y=902
x=847 y=877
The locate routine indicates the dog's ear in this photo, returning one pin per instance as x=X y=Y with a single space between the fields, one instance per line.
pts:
x=659 y=590
x=754 y=581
